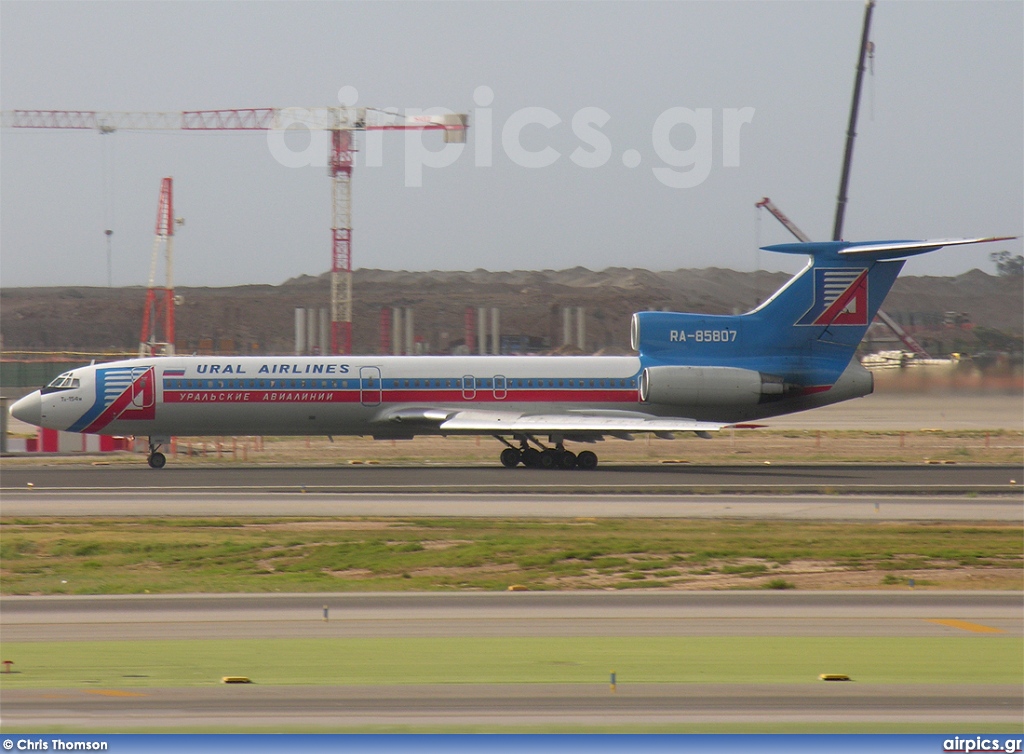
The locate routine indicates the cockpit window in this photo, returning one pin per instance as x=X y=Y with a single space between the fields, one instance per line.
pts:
x=66 y=381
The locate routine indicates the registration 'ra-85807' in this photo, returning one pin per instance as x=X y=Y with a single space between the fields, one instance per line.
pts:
x=702 y=336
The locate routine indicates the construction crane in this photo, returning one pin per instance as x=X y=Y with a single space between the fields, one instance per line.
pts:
x=907 y=339
x=160 y=300
x=342 y=122
x=866 y=48
x=766 y=203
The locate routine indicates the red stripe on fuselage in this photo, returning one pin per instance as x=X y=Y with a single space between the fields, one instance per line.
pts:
x=399 y=396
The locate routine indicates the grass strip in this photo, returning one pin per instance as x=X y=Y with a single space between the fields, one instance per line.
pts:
x=506 y=660
x=234 y=554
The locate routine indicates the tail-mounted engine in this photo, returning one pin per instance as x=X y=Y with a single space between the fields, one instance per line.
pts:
x=711 y=386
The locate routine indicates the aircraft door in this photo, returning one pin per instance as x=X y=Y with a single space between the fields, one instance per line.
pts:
x=468 y=387
x=370 y=386
x=500 y=387
x=143 y=392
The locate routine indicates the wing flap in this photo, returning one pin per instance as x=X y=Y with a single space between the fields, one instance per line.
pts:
x=610 y=424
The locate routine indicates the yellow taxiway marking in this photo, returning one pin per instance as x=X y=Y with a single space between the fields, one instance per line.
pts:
x=964 y=625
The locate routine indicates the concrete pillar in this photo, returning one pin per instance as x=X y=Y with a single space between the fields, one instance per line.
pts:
x=410 y=340
x=325 y=330
x=312 y=320
x=469 y=330
x=566 y=325
x=481 y=330
x=581 y=328
x=397 y=333
x=495 y=331
x=300 y=331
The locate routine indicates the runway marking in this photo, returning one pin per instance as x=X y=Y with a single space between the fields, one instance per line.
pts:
x=113 y=692
x=965 y=626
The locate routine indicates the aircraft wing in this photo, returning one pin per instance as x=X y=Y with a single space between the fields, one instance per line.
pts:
x=616 y=423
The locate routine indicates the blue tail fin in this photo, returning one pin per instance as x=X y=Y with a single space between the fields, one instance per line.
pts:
x=806 y=332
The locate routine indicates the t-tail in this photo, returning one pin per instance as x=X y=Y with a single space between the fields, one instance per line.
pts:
x=797 y=344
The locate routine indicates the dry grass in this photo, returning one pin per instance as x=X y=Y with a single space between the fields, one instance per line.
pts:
x=165 y=555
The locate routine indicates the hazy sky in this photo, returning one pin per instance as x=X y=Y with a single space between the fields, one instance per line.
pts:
x=755 y=95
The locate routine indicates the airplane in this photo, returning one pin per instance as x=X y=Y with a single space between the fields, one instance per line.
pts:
x=692 y=373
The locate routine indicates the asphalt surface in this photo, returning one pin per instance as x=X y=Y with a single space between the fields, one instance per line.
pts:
x=837 y=492
x=669 y=478
x=777 y=507
x=554 y=614
x=261 y=708
x=588 y=613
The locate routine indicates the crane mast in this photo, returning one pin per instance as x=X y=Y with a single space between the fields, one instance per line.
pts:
x=157 y=338
x=851 y=129
x=342 y=122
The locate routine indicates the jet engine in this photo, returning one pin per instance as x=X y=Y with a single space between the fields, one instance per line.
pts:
x=710 y=386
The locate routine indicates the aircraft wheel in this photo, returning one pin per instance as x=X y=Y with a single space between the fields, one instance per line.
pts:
x=567 y=460
x=157 y=460
x=531 y=458
x=549 y=459
x=510 y=458
x=586 y=460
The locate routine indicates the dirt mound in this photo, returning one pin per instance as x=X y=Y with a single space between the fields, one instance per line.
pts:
x=260 y=318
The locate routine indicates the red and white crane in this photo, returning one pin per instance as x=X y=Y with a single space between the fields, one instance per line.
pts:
x=342 y=122
x=160 y=300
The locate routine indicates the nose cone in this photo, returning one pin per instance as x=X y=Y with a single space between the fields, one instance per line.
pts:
x=29 y=409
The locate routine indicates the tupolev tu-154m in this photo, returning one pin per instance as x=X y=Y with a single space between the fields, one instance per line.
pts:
x=692 y=373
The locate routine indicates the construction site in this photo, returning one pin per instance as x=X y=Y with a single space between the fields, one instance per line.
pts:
x=969 y=323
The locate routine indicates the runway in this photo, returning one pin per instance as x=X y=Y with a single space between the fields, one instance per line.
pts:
x=589 y=613
x=509 y=614
x=256 y=708
x=425 y=479
x=836 y=492
x=875 y=492
x=792 y=507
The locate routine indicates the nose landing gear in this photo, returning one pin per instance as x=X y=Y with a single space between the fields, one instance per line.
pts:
x=542 y=457
x=157 y=460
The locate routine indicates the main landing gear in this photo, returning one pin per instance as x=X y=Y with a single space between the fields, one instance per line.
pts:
x=156 y=459
x=542 y=457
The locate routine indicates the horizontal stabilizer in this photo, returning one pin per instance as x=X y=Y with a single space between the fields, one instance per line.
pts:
x=918 y=247
x=876 y=250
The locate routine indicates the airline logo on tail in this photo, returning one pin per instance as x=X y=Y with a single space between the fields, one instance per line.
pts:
x=840 y=297
x=121 y=393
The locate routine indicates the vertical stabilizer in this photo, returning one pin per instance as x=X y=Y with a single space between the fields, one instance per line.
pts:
x=807 y=332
